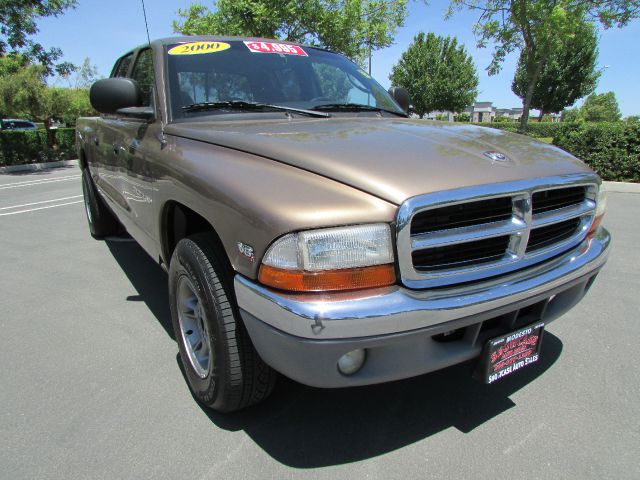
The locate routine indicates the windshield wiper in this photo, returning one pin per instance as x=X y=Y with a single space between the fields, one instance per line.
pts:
x=354 y=107
x=242 y=105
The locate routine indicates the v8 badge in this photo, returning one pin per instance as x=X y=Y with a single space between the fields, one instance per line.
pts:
x=247 y=251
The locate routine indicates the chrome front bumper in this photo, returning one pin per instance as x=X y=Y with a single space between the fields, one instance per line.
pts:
x=302 y=336
x=398 y=309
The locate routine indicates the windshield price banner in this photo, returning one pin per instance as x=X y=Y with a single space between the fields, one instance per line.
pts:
x=271 y=47
x=506 y=354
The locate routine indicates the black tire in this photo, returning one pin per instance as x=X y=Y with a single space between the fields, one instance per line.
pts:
x=235 y=377
x=101 y=220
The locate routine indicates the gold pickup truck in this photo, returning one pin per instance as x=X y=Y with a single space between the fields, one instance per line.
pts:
x=309 y=227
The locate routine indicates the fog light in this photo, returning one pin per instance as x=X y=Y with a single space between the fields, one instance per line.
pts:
x=351 y=362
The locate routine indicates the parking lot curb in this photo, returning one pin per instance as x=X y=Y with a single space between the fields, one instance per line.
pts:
x=34 y=167
x=622 y=187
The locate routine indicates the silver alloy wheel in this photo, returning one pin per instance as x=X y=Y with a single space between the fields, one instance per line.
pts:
x=193 y=327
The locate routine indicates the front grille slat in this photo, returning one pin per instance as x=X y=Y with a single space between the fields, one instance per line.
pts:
x=547 y=200
x=454 y=256
x=543 y=237
x=460 y=240
x=463 y=215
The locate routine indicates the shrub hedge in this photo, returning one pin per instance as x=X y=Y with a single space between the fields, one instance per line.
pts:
x=611 y=149
x=534 y=129
x=31 y=146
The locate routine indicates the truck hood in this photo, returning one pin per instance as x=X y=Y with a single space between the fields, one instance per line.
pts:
x=394 y=159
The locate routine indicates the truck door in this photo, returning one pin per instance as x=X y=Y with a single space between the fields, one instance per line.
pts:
x=106 y=172
x=136 y=145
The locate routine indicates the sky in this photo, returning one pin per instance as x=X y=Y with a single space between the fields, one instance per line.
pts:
x=104 y=30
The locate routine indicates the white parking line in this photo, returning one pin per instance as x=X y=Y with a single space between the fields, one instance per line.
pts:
x=39 y=203
x=40 y=208
x=41 y=181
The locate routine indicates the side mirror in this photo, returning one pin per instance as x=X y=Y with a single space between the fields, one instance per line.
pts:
x=401 y=96
x=113 y=94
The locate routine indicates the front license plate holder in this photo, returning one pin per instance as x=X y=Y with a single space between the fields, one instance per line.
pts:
x=509 y=353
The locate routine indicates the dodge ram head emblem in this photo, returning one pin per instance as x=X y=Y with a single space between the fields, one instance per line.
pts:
x=496 y=156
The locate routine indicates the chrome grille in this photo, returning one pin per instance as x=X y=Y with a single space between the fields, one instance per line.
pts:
x=461 y=254
x=546 y=200
x=462 y=215
x=472 y=233
x=543 y=237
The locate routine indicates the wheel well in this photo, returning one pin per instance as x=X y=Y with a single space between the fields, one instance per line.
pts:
x=180 y=222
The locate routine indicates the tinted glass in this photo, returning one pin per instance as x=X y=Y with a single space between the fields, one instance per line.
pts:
x=299 y=77
x=143 y=74
x=123 y=66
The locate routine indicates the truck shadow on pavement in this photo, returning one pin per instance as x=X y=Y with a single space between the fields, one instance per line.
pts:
x=305 y=427
x=146 y=276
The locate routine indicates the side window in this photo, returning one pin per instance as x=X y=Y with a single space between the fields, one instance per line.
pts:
x=143 y=74
x=123 y=66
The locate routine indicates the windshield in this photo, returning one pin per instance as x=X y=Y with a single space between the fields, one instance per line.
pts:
x=266 y=73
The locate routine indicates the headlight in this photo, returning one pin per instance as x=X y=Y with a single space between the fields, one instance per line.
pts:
x=601 y=205
x=329 y=259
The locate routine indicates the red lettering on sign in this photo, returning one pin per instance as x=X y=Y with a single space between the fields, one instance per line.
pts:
x=272 y=47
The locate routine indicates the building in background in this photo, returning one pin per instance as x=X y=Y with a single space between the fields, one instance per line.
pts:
x=443 y=116
x=511 y=113
x=481 y=112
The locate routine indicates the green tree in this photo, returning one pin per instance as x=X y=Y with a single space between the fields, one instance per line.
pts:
x=85 y=75
x=534 y=27
x=437 y=73
x=600 y=108
x=21 y=87
x=571 y=115
x=64 y=104
x=18 y=23
x=352 y=27
x=569 y=73
x=24 y=94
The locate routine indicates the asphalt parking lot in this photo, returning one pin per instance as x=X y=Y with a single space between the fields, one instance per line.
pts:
x=90 y=385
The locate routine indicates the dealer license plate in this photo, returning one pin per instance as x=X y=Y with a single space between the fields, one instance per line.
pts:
x=509 y=353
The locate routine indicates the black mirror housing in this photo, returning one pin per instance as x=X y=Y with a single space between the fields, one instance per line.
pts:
x=401 y=96
x=112 y=94
x=144 y=113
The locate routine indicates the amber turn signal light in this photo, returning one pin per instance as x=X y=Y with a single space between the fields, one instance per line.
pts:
x=327 y=280
x=594 y=226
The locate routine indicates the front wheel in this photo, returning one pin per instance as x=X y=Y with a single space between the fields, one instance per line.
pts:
x=223 y=369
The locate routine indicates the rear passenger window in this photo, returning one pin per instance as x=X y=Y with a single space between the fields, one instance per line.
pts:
x=143 y=74
x=123 y=66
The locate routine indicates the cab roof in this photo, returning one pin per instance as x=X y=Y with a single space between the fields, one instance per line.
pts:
x=161 y=42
